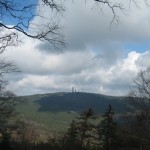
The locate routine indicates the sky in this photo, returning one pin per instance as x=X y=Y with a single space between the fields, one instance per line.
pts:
x=96 y=59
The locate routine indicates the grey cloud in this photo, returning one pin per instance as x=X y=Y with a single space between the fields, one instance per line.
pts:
x=86 y=28
x=108 y=56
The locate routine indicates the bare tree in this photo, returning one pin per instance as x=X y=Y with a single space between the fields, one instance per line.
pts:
x=139 y=100
x=139 y=96
x=8 y=102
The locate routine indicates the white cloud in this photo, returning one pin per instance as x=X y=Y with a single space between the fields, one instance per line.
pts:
x=87 y=76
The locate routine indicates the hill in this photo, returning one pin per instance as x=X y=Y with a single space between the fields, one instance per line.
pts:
x=55 y=110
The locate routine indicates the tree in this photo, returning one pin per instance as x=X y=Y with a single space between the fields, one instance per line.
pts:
x=71 y=137
x=86 y=126
x=8 y=102
x=107 y=130
x=7 y=111
x=72 y=131
x=80 y=133
x=139 y=95
x=16 y=19
x=139 y=100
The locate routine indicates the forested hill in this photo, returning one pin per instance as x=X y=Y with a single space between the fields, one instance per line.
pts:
x=56 y=110
x=77 y=102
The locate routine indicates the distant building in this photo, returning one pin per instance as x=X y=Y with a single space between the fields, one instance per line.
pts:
x=72 y=89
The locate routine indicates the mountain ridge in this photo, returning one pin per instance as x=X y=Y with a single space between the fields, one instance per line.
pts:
x=76 y=101
x=56 y=110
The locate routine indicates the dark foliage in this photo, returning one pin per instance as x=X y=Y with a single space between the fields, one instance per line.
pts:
x=86 y=133
x=79 y=101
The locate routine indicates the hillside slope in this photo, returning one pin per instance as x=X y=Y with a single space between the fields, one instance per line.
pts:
x=55 y=110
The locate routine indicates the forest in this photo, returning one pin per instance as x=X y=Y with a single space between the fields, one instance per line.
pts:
x=88 y=131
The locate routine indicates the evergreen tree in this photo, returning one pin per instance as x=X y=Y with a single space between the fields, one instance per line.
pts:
x=107 y=130
x=71 y=137
x=86 y=127
x=80 y=132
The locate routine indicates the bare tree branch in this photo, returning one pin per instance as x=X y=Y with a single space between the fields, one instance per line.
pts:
x=113 y=7
x=7 y=67
x=53 y=5
x=139 y=96
x=22 y=16
x=116 y=7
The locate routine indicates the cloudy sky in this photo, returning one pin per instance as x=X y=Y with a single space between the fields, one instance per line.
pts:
x=96 y=58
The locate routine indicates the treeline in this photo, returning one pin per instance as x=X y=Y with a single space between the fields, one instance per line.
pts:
x=89 y=131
